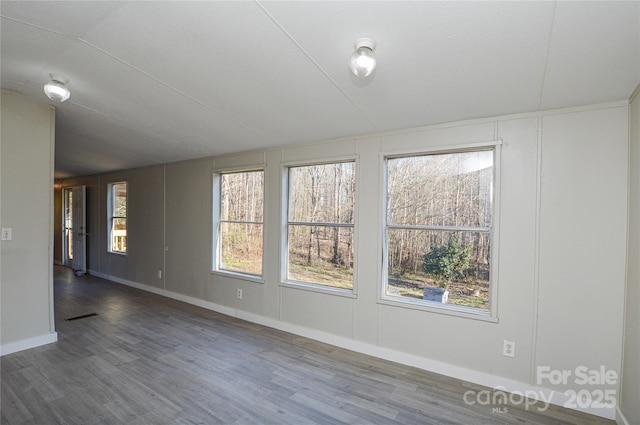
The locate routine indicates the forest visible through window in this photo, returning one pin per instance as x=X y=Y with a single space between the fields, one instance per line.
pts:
x=439 y=223
x=241 y=222
x=320 y=224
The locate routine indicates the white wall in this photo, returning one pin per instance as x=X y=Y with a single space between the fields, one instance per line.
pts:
x=561 y=263
x=582 y=241
x=630 y=392
x=188 y=209
x=145 y=210
x=26 y=262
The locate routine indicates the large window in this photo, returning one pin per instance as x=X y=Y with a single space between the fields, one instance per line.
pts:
x=117 y=213
x=320 y=224
x=439 y=215
x=240 y=224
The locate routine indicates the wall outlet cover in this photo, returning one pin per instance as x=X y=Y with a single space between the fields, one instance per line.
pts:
x=508 y=348
x=7 y=233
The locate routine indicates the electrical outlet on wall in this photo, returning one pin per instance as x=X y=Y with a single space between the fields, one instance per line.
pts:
x=508 y=348
x=239 y=293
x=159 y=274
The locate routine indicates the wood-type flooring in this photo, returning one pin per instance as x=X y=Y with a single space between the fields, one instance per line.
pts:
x=147 y=359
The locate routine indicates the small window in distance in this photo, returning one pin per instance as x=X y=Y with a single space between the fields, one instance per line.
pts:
x=240 y=228
x=117 y=217
x=439 y=222
x=320 y=224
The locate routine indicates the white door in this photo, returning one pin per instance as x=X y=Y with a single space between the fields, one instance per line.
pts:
x=79 y=230
x=67 y=231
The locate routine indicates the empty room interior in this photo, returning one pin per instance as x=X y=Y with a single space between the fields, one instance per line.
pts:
x=320 y=212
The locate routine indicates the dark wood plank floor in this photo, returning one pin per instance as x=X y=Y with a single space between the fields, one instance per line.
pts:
x=145 y=359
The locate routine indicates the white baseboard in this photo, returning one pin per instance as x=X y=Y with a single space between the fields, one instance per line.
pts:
x=620 y=418
x=507 y=385
x=25 y=344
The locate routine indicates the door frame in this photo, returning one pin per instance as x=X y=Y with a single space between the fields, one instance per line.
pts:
x=67 y=216
x=75 y=233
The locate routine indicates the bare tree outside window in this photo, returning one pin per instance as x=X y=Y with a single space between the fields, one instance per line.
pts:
x=320 y=224
x=241 y=222
x=439 y=223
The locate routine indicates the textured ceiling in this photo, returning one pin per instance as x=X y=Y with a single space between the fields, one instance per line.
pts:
x=155 y=82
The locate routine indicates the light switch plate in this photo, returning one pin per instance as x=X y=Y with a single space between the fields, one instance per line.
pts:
x=7 y=233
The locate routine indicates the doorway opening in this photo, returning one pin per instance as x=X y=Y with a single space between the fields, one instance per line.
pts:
x=75 y=229
x=67 y=232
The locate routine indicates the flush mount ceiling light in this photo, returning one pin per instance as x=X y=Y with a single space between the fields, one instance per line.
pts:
x=56 y=89
x=362 y=62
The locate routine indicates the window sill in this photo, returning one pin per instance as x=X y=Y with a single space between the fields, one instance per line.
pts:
x=117 y=253
x=329 y=290
x=448 y=309
x=241 y=276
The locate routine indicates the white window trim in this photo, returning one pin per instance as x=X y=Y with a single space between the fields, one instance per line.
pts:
x=490 y=314
x=215 y=225
x=284 y=226
x=110 y=217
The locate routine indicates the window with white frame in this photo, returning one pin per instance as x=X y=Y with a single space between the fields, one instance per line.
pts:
x=439 y=223
x=240 y=222
x=117 y=217
x=320 y=224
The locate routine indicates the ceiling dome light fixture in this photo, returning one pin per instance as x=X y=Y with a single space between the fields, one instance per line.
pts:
x=362 y=62
x=56 y=89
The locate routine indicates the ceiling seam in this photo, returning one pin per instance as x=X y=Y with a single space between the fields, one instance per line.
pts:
x=316 y=64
x=144 y=130
x=140 y=71
x=37 y=27
x=180 y=92
x=193 y=148
x=546 y=59
x=121 y=148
